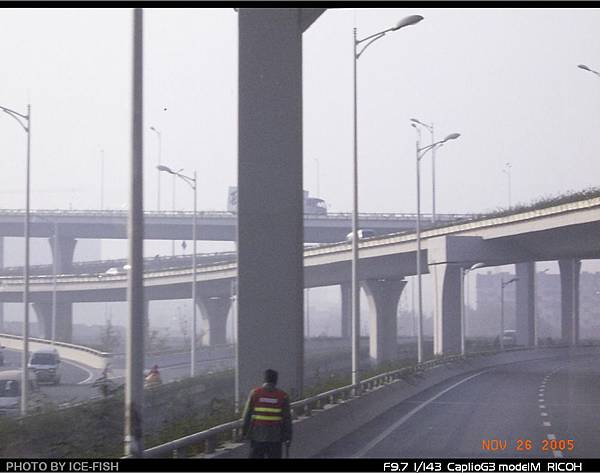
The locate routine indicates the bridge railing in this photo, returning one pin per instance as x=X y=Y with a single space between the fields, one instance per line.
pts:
x=208 y=440
x=69 y=351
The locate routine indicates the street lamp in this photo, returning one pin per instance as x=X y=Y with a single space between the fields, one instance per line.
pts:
x=159 y=135
x=25 y=122
x=586 y=68
x=506 y=171
x=419 y=155
x=503 y=284
x=408 y=21
x=193 y=183
x=463 y=309
x=430 y=128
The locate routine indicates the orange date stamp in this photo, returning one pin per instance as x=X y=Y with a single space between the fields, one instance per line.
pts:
x=526 y=445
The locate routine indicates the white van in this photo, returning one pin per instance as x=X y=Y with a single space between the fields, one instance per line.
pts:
x=10 y=393
x=45 y=363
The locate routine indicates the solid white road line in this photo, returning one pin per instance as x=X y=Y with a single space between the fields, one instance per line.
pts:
x=81 y=367
x=403 y=419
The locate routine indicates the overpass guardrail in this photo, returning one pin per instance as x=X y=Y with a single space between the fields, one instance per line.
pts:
x=78 y=353
x=211 y=438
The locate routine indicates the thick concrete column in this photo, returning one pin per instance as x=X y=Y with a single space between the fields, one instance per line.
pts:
x=446 y=321
x=525 y=299
x=64 y=252
x=346 y=313
x=270 y=202
x=64 y=319
x=43 y=311
x=569 y=298
x=214 y=319
x=383 y=296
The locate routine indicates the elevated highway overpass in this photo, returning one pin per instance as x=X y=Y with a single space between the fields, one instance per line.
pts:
x=567 y=233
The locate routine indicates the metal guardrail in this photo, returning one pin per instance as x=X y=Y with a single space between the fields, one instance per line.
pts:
x=231 y=431
x=226 y=214
x=79 y=353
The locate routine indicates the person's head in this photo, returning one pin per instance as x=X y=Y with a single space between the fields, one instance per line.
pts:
x=154 y=369
x=271 y=376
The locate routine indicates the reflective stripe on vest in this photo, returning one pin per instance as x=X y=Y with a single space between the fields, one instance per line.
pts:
x=267 y=418
x=268 y=406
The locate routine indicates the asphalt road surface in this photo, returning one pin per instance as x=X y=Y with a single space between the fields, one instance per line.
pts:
x=534 y=408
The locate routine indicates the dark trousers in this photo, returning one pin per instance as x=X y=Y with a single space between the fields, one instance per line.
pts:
x=265 y=449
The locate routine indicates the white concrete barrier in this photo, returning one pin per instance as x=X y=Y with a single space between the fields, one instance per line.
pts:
x=77 y=353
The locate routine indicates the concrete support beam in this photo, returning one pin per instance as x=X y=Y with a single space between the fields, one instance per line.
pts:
x=446 y=320
x=346 y=310
x=270 y=203
x=525 y=299
x=383 y=297
x=64 y=252
x=569 y=298
x=64 y=319
x=214 y=319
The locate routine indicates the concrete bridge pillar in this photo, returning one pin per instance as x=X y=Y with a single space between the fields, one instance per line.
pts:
x=64 y=252
x=446 y=320
x=525 y=300
x=383 y=296
x=214 y=319
x=64 y=319
x=270 y=203
x=346 y=312
x=569 y=298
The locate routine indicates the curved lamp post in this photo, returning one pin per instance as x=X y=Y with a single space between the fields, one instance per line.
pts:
x=358 y=52
x=159 y=135
x=430 y=129
x=421 y=151
x=193 y=183
x=25 y=122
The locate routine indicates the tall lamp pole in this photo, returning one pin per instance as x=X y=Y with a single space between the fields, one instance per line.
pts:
x=408 y=21
x=420 y=152
x=429 y=127
x=25 y=122
x=506 y=171
x=193 y=183
x=159 y=135
x=503 y=284
x=463 y=308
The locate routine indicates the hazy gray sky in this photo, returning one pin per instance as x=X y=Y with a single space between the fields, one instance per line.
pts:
x=504 y=78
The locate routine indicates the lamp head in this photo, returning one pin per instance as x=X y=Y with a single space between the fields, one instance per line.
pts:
x=164 y=168
x=407 y=21
x=476 y=266
x=584 y=67
x=452 y=136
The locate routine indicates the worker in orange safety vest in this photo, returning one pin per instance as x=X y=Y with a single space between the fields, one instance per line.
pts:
x=267 y=419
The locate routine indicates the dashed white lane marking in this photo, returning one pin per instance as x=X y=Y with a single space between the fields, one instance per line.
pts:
x=403 y=419
x=542 y=406
x=544 y=414
x=551 y=437
x=547 y=424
